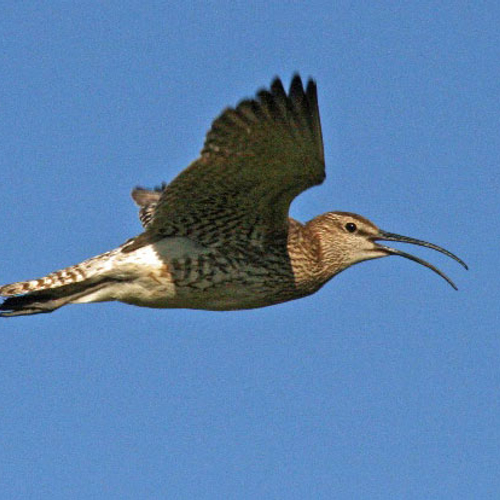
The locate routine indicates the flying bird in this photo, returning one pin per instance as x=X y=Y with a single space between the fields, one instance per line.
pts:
x=219 y=236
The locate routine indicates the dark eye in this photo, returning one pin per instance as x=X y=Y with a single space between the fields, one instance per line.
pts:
x=351 y=227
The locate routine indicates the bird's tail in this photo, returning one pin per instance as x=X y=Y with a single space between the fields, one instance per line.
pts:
x=59 y=288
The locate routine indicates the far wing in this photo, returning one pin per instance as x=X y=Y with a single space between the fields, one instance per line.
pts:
x=147 y=199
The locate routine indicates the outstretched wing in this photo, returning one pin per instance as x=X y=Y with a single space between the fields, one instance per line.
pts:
x=256 y=159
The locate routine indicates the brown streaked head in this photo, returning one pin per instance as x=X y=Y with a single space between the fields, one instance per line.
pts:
x=347 y=239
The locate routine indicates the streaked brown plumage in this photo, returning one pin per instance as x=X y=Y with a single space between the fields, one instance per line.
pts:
x=218 y=236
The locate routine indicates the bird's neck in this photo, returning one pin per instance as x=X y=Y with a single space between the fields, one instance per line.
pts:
x=306 y=257
x=314 y=259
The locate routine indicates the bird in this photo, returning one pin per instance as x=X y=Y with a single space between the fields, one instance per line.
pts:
x=219 y=236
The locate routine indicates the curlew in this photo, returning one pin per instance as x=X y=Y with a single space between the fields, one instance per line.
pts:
x=219 y=236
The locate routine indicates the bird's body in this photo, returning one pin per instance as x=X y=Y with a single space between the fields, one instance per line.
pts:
x=176 y=272
x=219 y=237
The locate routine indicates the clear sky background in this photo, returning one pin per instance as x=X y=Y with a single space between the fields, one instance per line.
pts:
x=385 y=384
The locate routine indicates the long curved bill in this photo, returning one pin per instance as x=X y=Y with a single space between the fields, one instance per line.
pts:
x=384 y=235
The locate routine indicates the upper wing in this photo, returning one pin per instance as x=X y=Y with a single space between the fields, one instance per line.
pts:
x=256 y=159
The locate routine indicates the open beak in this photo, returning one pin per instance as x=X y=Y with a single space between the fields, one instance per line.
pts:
x=384 y=235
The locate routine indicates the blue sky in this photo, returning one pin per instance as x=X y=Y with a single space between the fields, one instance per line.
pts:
x=385 y=384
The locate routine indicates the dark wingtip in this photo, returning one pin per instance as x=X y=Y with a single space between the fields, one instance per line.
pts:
x=309 y=89
x=143 y=196
x=296 y=87
x=312 y=89
x=277 y=88
x=136 y=193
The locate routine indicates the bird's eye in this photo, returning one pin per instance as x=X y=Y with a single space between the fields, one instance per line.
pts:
x=351 y=227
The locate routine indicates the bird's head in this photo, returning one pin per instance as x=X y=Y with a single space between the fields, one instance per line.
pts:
x=346 y=239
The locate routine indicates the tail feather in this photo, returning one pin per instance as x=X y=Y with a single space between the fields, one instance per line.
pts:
x=45 y=301
x=67 y=276
x=46 y=294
